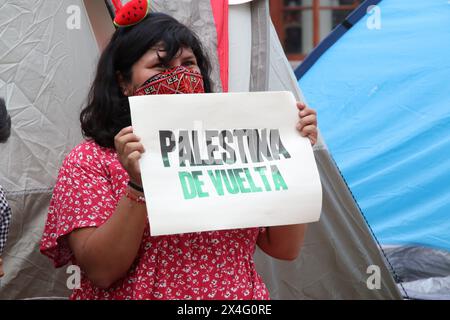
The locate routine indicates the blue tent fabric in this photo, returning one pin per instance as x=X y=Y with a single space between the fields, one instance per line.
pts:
x=334 y=36
x=383 y=102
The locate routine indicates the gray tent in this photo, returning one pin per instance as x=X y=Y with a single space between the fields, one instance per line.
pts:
x=47 y=60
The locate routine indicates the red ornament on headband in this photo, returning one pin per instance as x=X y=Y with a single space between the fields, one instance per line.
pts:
x=131 y=13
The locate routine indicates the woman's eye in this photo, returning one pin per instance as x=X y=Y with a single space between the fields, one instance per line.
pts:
x=190 y=63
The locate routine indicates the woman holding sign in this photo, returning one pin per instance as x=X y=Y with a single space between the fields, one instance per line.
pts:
x=97 y=217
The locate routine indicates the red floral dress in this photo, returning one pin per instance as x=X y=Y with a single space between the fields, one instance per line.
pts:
x=203 y=265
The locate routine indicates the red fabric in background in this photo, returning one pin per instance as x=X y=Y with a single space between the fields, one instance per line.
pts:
x=220 y=12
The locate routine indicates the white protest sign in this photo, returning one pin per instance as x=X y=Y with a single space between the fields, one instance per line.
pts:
x=220 y=161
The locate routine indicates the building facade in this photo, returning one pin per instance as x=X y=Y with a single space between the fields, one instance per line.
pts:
x=302 y=24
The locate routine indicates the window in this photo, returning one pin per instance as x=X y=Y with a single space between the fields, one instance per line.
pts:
x=302 y=24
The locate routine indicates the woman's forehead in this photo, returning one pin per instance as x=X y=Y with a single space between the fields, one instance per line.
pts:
x=160 y=51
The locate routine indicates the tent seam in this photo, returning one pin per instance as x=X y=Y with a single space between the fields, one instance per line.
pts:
x=30 y=191
x=396 y=277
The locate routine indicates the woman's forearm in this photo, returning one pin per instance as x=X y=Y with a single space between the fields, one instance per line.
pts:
x=106 y=253
x=282 y=242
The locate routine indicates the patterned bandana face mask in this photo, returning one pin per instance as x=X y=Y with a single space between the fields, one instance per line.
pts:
x=177 y=80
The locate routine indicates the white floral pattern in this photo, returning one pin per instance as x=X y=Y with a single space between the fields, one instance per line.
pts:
x=202 y=265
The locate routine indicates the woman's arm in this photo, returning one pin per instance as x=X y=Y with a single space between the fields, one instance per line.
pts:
x=106 y=253
x=1 y=268
x=284 y=242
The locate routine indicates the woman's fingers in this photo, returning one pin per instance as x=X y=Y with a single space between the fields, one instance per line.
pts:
x=124 y=136
x=306 y=111
x=134 y=170
x=131 y=147
x=301 y=106
x=127 y=138
x=308 y=120
x=133 y=159
x=308 y=130
x=123 y=132
x=307 y=124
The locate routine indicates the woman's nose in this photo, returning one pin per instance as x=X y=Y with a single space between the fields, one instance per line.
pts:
x=175 y=64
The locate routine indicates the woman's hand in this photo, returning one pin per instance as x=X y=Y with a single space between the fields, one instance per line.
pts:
x=129 y=150
x=307 y=125
x=1 y=268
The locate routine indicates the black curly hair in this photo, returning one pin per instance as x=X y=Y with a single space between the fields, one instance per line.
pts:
x=107 y=110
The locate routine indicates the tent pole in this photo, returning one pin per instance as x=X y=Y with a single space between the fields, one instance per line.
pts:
x=316 y=22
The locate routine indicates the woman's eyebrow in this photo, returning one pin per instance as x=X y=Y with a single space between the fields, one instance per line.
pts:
x=189 y=56
x=155 y=56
